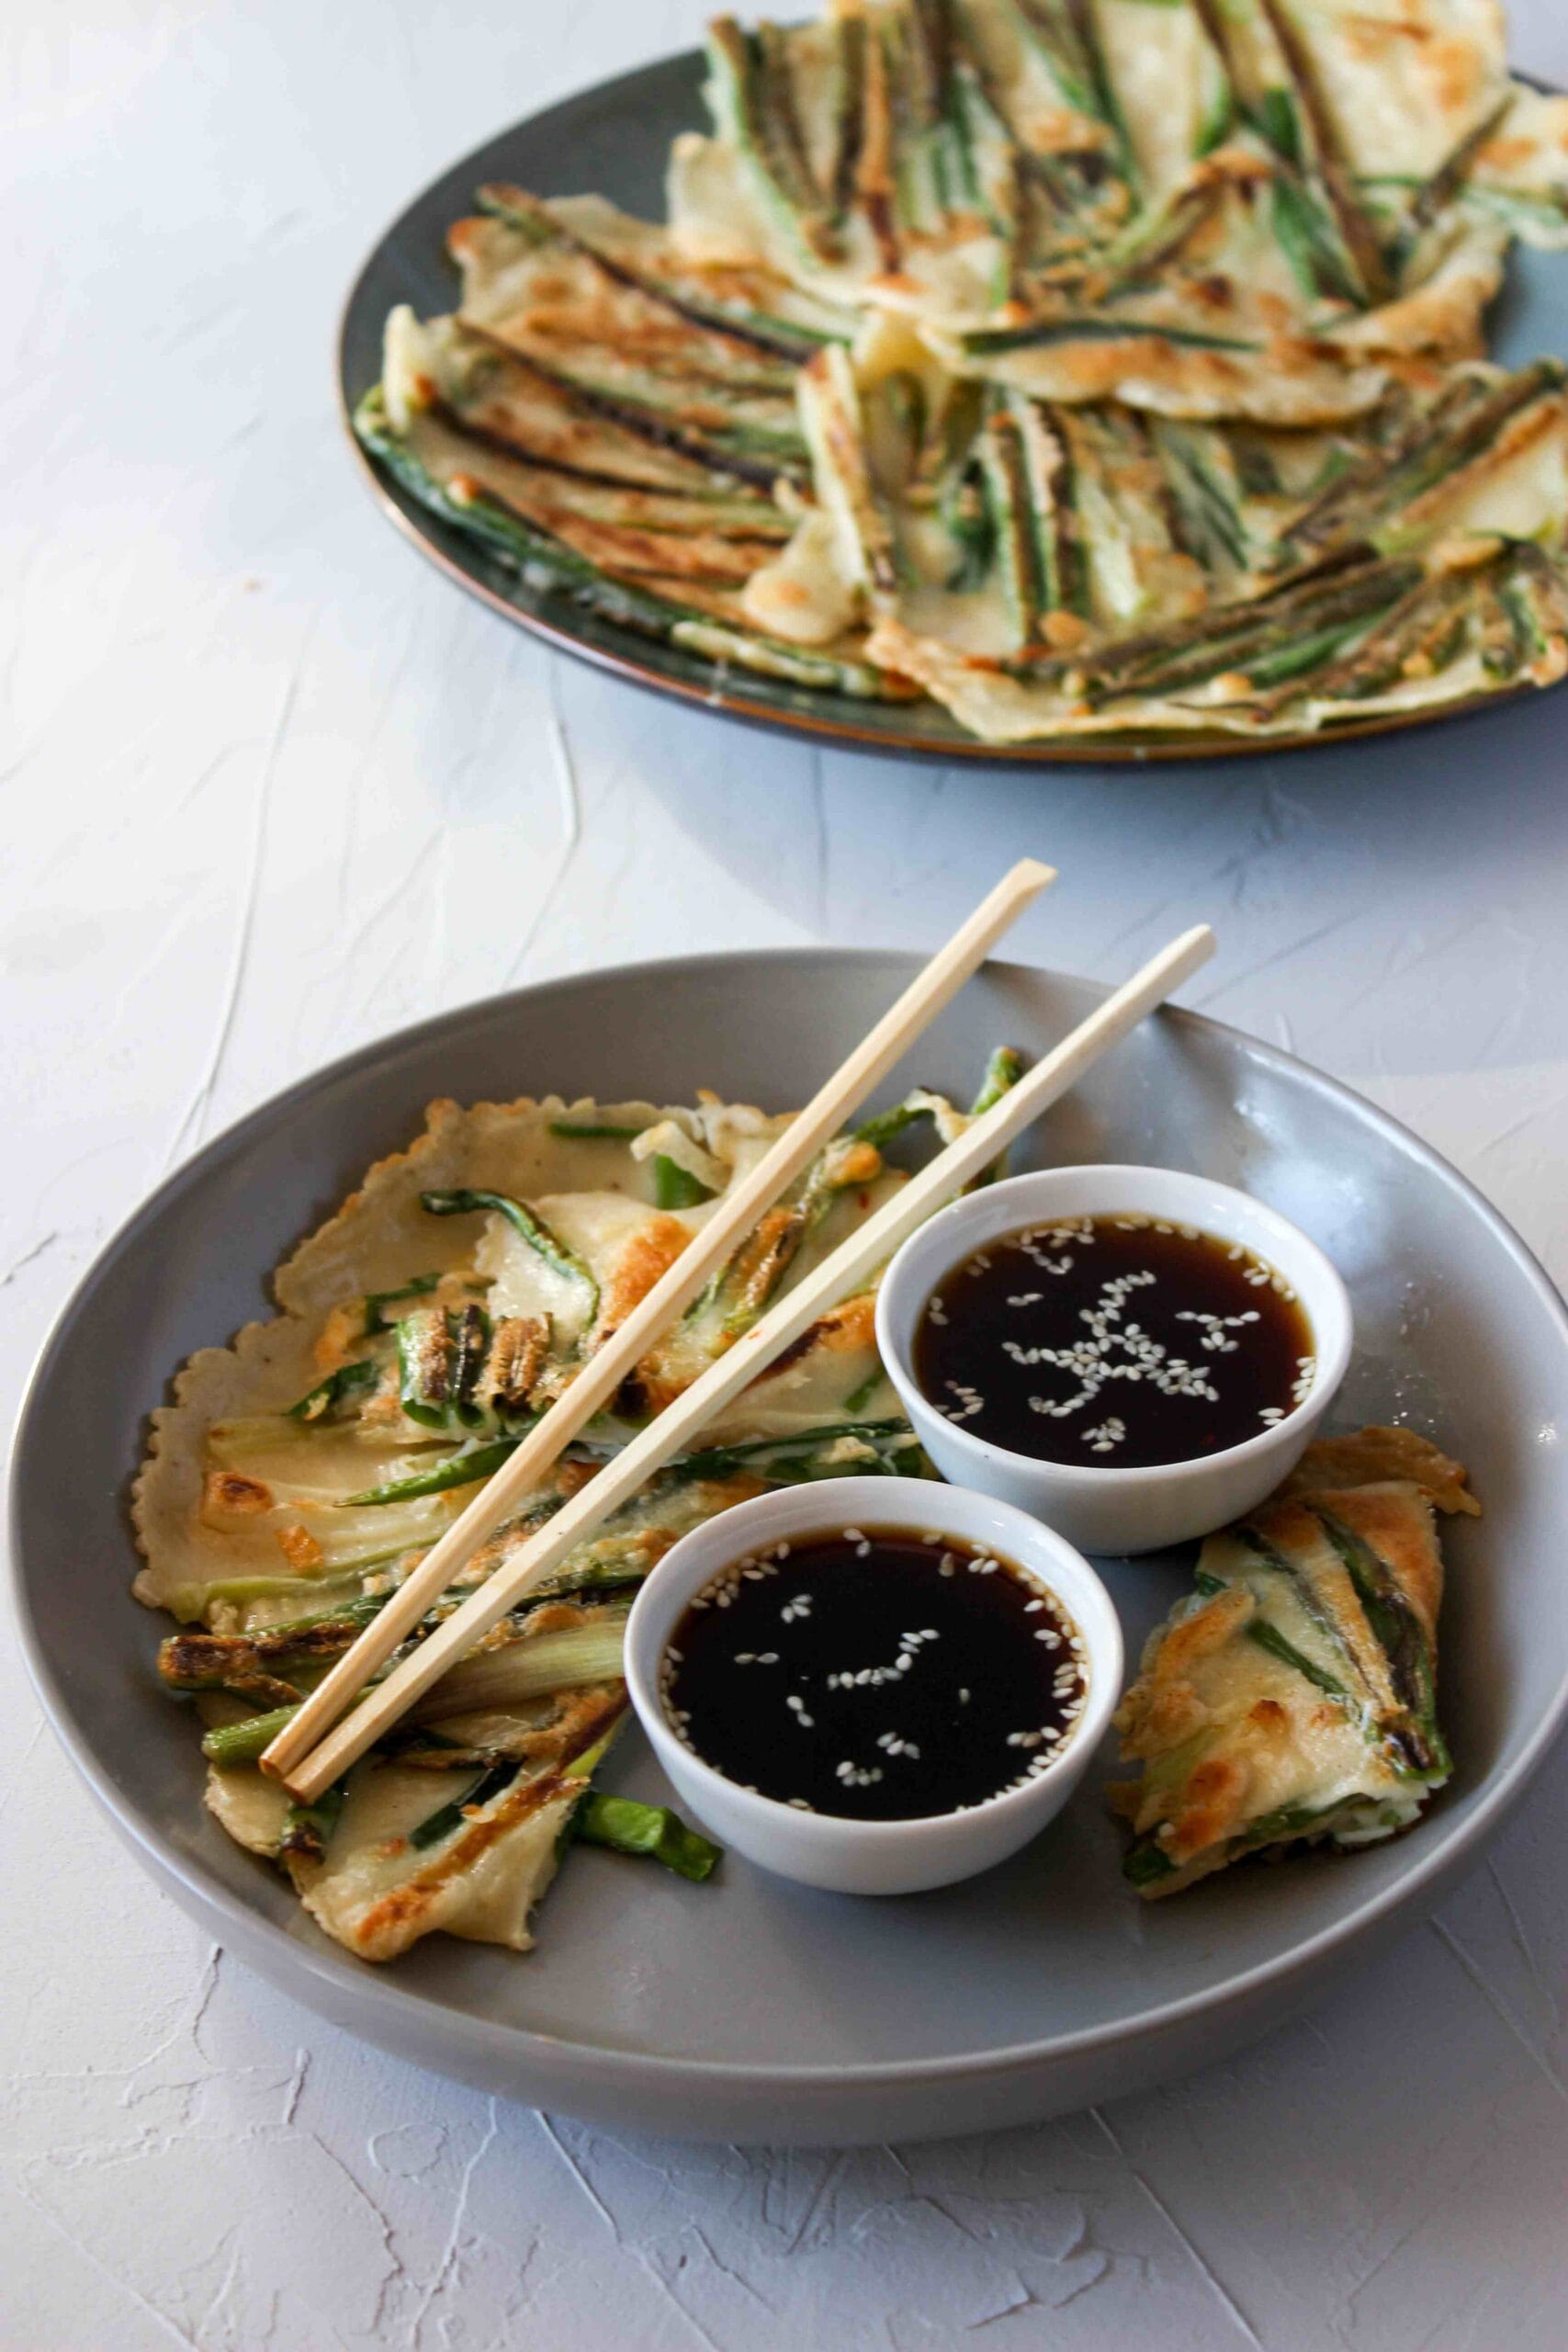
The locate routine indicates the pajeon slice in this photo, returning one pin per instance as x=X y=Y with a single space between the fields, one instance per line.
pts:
x=443 y=1308
x=1292 y=1696
x=301 y=1474
x=534 y=289
x=685 y=591
x=1426 y=566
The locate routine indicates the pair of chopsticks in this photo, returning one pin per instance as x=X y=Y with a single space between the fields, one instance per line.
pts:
x=307 y=1768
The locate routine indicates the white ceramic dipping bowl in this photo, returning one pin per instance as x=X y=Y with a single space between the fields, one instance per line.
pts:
x=1098 y=1508
x=829 y=1850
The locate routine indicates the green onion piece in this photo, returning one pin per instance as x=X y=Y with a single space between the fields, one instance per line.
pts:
x=1289 y=1821
x=719 y=1461
x=1002 y=1073
x=190 y=1601
x=449 y=1819
x=420 y=1286
x=231 y=1744
x=347 y=1381
x=675 y=1187
x=1265 y=1638
x=568 y=1660
x=628 y=1827
x=459 y=1470
x=308 y=1828
x=1146 y=1862
x=520 y=1216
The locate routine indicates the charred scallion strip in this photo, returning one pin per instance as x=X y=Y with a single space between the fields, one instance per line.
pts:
x=1134 y=260
x=1204 y=494
x=546 y=563
x=1419 y=635
x=748 y=95
x=377 y=1301
x=461 y=1469
x=1406 y=439
x=848 y=34
x=1002 y=1073
x=711 y=424
x=967 y=517
x=1265 y=1636
x=1048 y=28
x=1294 y=663
x=1432 y=195
x=1256 y=643
x=779 y=338
x=425 y=1355
x=449 y=1819
x=830 y=412
x=1410 y=1667
x=995 y=342
x=628 y=1827
x=1318 y=218
x=797 y=1460
x=1435 y=455
x=232 y=1745
x=557 y=1779
x=1127 y=658
x=470 y=1330
x=504 y=534
x=348 y=1380
x=778 y=123
x=308 y=1828
x=555 y=1253
x=1061 y=553
x=1532 y=593
x=1005 y=472
x=1317 y=143
x=1307 y=236
x=243 y=1661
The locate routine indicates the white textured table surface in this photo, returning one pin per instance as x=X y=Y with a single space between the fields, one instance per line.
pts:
x=271 y=787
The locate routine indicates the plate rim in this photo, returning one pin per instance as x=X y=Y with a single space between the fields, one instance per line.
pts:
x=344 y=1978
x=717 y=693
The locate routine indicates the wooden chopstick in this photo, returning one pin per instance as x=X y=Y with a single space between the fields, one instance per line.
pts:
x=850 y=1264
x=738 y=1210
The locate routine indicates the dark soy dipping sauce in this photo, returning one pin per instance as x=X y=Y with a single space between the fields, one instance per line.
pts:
x=937 y=1673
x=1114 y=1341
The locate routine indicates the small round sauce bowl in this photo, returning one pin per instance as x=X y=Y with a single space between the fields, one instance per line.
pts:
x=874 y=1857
x=1097 y=1507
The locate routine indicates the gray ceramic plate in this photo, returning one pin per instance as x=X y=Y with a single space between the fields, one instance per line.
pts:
x=749 y=2009
x=616 y=139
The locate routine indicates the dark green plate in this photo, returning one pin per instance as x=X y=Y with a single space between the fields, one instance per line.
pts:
x=614 y=140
